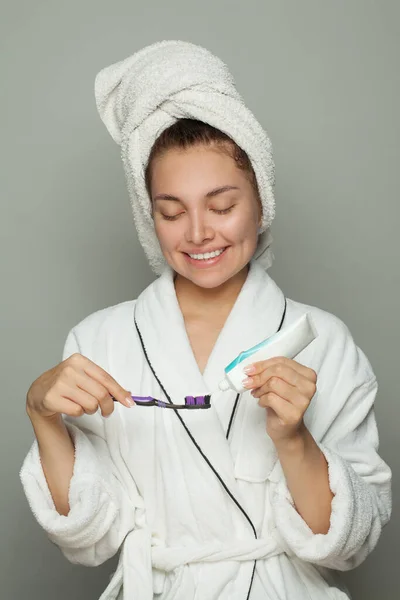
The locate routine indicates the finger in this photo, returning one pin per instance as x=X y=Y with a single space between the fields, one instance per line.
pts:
x=285 y=371
x=277 y=370
x=304 y=371
x=105 y=379
x=54 y=402
x=97 y=391
x=287 y=384
x=286 y=412
x=73 y=393
x=262 y=365
x=285 y=391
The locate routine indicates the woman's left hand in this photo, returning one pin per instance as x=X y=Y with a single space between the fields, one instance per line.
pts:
x=285 y=388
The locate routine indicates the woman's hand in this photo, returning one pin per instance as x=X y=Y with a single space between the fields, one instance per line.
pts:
x=285 y=388
x=74 y=387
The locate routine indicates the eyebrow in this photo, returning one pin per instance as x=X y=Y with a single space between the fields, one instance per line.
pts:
x=210 y=194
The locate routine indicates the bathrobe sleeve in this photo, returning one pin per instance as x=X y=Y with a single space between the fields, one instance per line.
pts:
x=102 y=511
x=342 y=421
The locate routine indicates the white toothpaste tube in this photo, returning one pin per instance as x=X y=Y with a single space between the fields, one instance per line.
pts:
x=288 y=342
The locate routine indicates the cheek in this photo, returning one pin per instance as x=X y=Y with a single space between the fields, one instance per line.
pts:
x=241 y=226
x=167 y=234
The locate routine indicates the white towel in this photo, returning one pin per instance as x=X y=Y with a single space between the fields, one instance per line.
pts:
x=140 y=96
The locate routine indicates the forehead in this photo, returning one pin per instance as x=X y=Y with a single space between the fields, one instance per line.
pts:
x=181 y=170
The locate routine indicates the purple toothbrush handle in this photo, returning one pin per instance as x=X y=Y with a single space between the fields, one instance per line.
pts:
x=143 y=398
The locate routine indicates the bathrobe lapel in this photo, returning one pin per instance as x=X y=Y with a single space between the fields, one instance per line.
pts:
x=256 y=315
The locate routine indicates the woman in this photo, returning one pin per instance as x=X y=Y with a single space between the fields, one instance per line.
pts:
x=263 y=495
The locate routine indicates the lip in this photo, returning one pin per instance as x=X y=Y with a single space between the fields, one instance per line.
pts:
x=205 y=263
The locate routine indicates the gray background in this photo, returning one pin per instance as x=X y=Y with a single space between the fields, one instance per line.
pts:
x=323 y=79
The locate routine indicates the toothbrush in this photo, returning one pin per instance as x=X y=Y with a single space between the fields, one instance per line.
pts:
x=191 y=402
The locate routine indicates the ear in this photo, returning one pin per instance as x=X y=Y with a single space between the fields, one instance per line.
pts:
x=260 y=215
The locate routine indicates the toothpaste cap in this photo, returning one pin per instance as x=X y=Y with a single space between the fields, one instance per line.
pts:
x=224 y=385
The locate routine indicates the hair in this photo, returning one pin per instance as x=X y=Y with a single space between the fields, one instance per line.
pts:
x=186 y=133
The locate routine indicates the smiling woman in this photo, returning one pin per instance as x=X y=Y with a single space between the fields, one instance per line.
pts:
x=266 y=493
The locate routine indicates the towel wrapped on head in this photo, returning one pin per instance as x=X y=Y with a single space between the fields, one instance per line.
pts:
x=140 y=96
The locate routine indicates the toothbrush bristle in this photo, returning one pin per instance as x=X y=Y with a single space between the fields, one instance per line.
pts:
x=197 y=400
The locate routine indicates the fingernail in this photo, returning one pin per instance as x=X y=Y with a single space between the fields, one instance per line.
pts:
x=130 y=402
x=249 y=369
x=247 y=381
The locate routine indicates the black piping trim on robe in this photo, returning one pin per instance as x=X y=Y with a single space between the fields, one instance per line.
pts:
x=240 y=507
x=239 y=395
x=232 y=415
x=229 y=430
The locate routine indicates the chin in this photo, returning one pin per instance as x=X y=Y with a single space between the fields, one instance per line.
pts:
x=209 y=278
x=210 y=281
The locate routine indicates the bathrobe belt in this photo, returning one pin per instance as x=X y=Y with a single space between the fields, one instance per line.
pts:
x=168 y=559
x=142 y=552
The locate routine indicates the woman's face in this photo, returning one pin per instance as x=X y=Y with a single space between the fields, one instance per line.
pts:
x=203 y=203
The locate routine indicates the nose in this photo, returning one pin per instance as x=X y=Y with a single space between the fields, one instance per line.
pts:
x=199 y=229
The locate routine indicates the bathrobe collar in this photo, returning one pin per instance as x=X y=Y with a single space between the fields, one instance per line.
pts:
x=256 y=315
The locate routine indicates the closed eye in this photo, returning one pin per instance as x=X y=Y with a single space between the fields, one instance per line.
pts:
x=170 y=217
x=223 y=211
x=218 y=211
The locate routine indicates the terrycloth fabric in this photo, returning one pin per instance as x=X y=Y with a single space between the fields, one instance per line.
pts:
x=140 y=96
x=142 y=482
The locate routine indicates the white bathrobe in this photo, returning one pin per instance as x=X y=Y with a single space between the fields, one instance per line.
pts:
x=200 y=516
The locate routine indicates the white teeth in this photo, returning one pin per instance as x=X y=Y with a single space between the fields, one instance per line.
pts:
x=207 y=255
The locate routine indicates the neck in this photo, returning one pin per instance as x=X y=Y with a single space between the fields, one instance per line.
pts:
x=196 y=301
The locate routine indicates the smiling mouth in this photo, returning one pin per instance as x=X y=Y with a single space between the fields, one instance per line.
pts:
x=206 y=255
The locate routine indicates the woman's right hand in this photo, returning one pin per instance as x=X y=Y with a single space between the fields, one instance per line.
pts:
x=74 y=387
